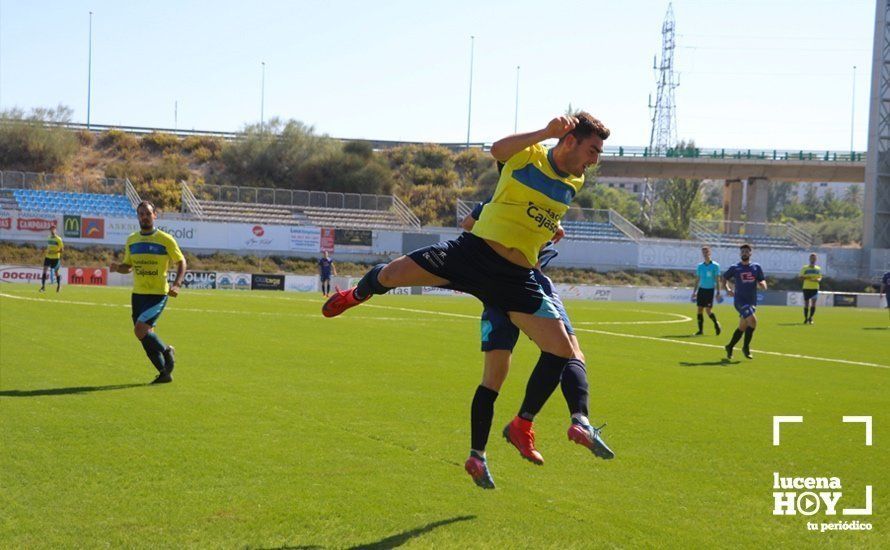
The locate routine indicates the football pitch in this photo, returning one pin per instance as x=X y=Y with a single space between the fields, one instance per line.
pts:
x=287 y=430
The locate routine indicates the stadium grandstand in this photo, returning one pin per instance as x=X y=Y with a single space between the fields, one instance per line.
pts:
x=51 y=193
x=761 y=235
x=297 y=207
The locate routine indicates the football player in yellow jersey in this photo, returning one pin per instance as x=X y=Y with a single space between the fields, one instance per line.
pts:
x=494 y=262
x=148 y=253
x=811 y=275
x=52 y=259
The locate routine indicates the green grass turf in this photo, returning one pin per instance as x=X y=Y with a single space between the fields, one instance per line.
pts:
x=285 y=429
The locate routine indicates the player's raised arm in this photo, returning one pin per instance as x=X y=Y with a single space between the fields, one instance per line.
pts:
x=505 y=148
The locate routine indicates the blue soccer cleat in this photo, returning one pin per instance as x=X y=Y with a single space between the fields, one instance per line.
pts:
x=588 y=436
x=477 y=467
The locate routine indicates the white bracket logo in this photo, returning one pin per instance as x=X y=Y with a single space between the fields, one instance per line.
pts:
x=789 y=503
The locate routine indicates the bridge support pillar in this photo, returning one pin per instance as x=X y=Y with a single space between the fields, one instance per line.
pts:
x=756 y=207
x=745 y=200
x=733 y=200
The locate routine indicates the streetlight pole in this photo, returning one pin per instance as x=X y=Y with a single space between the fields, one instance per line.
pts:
x=516 y=112
x=853 y=109
x=470 y=103
x=89 y=70
x=262 y=96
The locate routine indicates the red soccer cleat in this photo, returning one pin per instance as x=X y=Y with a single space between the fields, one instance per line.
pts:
x=520 y=434
x=340 y=302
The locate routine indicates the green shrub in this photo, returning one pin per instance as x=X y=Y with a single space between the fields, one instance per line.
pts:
x=27 y=143
x=158 y=142
x=119 y=143
x=210 y=143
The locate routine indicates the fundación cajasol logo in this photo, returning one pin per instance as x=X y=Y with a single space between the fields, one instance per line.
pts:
x=824 y=496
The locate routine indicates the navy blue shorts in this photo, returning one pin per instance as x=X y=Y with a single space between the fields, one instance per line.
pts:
x=498 y=333
x=471 y=266
x=745 y=309
x=810 y=293
x=52 y=263
x=148 y=307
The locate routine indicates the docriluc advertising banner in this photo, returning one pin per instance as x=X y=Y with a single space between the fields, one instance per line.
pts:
x=195 y=279
x=25 y=274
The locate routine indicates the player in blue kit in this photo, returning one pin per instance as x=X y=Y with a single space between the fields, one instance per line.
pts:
x=707 y=287
x=325 y=268
x=746 y=277
x=885 y=286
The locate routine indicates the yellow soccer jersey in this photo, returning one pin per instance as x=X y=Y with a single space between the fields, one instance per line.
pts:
x=150 y=255
x=811 y=277
x=54 y=247
x=528 y=202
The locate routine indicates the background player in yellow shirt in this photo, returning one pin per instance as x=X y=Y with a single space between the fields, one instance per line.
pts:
x=52 y=259
x=148 y=253
x=494 y=262
x=810 y=274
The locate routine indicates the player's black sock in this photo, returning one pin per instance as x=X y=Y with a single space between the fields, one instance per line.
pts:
x=43 y=281
x=481 y=415
x=541 y=384
x=805 y=315
x=154 y=349
x=736 y=336
x=713 y=319
x=749 y=333
x=575 y=387
x=812 y=311
x=701 y=322
x=369 y=284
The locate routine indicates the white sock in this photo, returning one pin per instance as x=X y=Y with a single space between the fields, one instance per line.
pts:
x=581 y=418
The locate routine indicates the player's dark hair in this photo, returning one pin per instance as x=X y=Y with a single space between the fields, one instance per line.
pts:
x=587 y=126
x=706 y=247
x=746 y=245
x=146 y=204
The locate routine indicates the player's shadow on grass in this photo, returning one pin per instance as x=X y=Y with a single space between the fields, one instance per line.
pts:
x=65 y=391
x=875 y=328
x=801 y=324
x=389 y=542
x=680 y=336
x=720 y=363
x=398 y=540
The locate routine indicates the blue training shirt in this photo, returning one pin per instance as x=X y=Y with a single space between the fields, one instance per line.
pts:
x=745 y=278
x=324 y=266
x=708 y=274
x=886 y=279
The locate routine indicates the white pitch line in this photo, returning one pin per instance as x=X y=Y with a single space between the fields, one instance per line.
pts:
x=198 y=310
x=715 y=346
x=465 y=316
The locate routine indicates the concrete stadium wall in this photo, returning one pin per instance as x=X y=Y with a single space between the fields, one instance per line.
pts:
x=306 y=242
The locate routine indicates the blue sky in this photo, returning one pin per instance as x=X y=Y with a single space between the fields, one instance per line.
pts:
x=753 y=73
